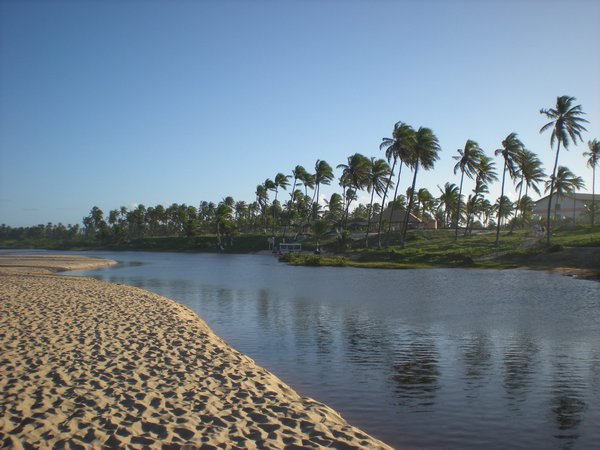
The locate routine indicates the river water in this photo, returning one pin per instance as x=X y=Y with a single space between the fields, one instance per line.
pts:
x=430 y=358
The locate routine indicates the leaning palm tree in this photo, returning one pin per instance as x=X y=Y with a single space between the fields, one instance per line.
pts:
x=323 y=175
x=375 y=182
x=512 y=147
x=447 y=200
x=467 y=164
x=485 y=174
x=532 y=174
x=593 y=157
x=424 y=148
x=281 y=181
x=425 y=201
x=262 y=198
x=566 y=124
x=565 y=182
x=396 y=149
x=353 y=178
x=503 y=208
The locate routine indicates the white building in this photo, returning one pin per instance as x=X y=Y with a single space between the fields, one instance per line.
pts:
x=568 y=206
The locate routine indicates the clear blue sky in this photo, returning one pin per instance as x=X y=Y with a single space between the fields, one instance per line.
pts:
x=120 y=103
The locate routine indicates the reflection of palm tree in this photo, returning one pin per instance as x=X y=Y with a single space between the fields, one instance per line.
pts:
x=566 y=124
x=416 y=370
x=468 y=159
x=593 y=158
x=519 y=366
x=477 y=357
x=510 y=151
x=568 y=405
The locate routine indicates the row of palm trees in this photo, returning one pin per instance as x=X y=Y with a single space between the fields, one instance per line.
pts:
x=419 y=149
x=407 y=148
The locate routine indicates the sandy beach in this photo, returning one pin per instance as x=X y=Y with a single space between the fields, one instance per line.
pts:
x=88 y=364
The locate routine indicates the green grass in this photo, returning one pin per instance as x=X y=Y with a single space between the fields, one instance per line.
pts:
x=581 y=236
x=439 y=249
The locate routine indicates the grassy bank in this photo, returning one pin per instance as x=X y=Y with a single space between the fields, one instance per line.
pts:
x=439 y=249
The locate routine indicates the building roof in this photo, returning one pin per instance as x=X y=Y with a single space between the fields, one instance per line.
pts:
x=576 y=195
x=399 y=216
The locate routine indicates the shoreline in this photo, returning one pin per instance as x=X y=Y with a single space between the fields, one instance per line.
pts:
x=90 y=363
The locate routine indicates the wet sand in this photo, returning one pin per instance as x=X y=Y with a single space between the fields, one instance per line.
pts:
x=88 y=364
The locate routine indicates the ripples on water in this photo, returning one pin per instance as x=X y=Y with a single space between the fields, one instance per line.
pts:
x=421 y=359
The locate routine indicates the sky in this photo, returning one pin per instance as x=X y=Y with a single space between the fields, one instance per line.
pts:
x=120 y=103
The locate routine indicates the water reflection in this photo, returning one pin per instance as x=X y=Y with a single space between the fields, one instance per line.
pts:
x=520 y=367
x=477 y=356
x=567 y=403
x=367 y=340
x=416 y=371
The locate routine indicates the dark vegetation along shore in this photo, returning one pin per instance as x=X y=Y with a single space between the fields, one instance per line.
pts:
x=575 y=250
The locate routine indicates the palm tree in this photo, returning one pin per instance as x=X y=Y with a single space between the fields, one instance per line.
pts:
x=423 y=149
x=503 y=208
x=425 y=201
x=532 y=173
x=396 y=149
x=448 y=200
x=323 y=175
x=262 y=198
x=281 y=181
x=485 y=174
x=354 y=177
x=593 y=157
x=566 y=124
x=223 y=216
x=335 y=209
x=566 y=182
x=467 y=164
x=379 y=172
x=510 y=151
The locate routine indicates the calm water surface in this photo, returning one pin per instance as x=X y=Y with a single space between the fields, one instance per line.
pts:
x=432 y=358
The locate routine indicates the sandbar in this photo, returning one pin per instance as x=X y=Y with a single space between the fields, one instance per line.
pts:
x=89 y=364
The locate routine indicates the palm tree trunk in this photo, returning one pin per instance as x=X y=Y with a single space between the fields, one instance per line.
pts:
x=387 y=186
x=512 y=227
x=522 y=211
x=387 y=239
x=369 y=218
x=500 y=205
x=593 y=194
x=552 y=181
x=410 y=203
x=462 y=175
x=470 y=215
x=273 y=228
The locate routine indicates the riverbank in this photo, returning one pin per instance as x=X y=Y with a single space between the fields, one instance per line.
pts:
x=87 y=363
